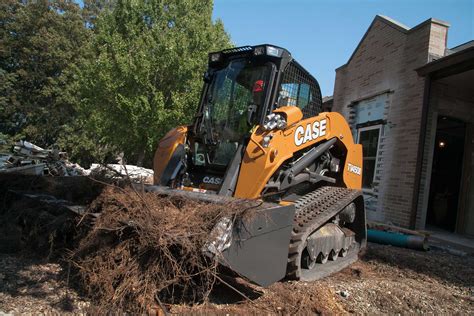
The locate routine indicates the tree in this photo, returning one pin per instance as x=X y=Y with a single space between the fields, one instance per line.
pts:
x=145 y=77
x=40 y=45
x=93 y=8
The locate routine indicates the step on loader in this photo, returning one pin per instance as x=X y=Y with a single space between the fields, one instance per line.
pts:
x=259 y=133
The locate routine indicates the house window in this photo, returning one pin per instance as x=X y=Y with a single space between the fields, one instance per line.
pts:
x=368 y=137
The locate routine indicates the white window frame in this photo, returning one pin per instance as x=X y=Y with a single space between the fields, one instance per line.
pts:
x=368 y=128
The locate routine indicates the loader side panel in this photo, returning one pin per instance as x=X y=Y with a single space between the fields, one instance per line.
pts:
x=260 y=163
x=165 y=150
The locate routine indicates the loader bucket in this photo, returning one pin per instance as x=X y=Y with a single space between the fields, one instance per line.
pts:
x=254 y=246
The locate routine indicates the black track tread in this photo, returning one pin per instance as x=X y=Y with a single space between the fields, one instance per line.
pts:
x=313 y=210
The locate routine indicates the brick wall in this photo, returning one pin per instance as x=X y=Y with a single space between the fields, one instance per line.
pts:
x=385 y=61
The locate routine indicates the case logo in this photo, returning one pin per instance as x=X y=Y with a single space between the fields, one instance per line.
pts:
x=310 y=132
x=212 y=180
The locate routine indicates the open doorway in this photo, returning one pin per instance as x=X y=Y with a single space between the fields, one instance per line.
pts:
x=446 y=173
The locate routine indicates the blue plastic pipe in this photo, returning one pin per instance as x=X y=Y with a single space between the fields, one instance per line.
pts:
x=397 y=239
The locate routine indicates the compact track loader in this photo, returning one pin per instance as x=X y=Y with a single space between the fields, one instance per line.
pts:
x=259 y=133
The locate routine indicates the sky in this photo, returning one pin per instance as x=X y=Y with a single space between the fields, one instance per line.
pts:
x=322 y=35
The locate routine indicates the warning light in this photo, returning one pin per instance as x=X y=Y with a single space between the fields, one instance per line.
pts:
x=258 y=86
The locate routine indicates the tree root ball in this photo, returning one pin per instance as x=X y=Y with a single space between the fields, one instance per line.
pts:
x=146 y=249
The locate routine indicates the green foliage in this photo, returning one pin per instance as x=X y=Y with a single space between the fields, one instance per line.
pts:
x=40 y=43
x=5 y=142
x=111 y=77
x=145 y=77
x=93 y=8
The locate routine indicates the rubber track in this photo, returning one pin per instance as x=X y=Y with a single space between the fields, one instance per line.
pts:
x=313 y=210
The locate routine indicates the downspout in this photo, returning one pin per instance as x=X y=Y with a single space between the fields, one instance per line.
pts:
x=421 y=151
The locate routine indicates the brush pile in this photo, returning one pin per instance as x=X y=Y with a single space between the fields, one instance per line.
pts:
x=146 y=250
x=129 y=251
x=40 y=214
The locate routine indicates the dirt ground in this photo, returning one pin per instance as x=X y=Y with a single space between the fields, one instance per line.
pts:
x=386 y=280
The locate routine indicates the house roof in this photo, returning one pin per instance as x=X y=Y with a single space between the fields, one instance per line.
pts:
x=394 y=24
x=460 y=47
x=327 y=98
x=458 y=61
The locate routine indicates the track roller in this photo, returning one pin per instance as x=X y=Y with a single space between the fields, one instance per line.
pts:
x=318 y=240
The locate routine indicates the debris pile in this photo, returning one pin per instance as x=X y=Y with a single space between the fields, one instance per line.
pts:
x=35 y=225
x=27 y=158
x=41 y=213
x=119 y=171
x=129 y=250
x=146 y=249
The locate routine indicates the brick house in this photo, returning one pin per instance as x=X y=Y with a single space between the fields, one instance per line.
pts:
x=410 y=103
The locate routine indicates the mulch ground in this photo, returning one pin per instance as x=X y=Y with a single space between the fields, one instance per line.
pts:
x=386 y=280
x=145 y=251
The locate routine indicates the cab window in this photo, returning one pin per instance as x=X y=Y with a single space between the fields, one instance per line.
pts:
x=298 y=88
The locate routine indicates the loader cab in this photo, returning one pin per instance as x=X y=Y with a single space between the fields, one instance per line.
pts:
x=238 y=87
x=242 y=86
x=254 y=81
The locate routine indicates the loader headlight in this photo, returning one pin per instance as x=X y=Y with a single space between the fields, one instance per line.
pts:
x=266 y=141
x=220 y=237
x=267 y=50
x=214 y=57
x=260 y=50
x=273 y=51
x=274 y=121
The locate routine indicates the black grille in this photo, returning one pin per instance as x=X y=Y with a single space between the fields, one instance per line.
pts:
x=237 y=50
x=299 y=88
